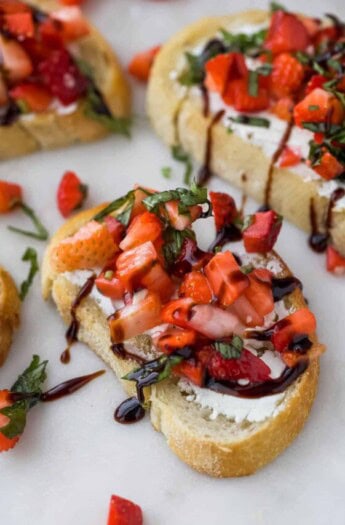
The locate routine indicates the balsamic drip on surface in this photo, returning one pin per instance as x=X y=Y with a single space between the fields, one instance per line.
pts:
x=205 y=101
x=284 y=286
x=205 y=172
x=300 y=343
x=190 y=256
x=129 y=411
x=73 y=328
x=318 y=241
x=120 y=351
x=229 y=233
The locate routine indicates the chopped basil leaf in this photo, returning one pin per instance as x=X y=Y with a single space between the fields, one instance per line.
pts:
x=194 y=72
x=96 y=109
x=30 y=255
x=125 y=204
x=180 y=155
x=303 y=58
x=251 y=121
x=335 y=64
x=247 y=268
x=186 y=198
x=253 y=83
x=32 y=379
x=173 y=242
x=275 y=6
x=40 y=234
x=166 y=172
x=243 y=43
x=313 y=108
x=154 y=371
x=109 y=274
x=232 y=350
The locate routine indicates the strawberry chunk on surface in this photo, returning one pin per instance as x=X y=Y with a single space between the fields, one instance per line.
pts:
x=286 y=34
x=223 y=69
x=140 y=65
x=301 y=322
x=72 y=24
x=19 y=24
x=135 y=263
x=124 y=512
x=225 y=278
x=289 y=157
x=35 y=97
x=116 y=228
x=5 y=442
x=71 y=193
x=194 y=372
x=181 y=221
x=247 y=366
x=224 y=209
x=328 y=166
x=157 y=280
x=91 y=246
x=237 y=95
x=335 y=261
x=246 y=312
x=287 y=75
x=316 y=81
x=283 y=108
x=259 y=292
x=144 y=227
x=10 y=195
x=196 y=286
x=174 y=338
x=262 y=234
x=109 y=285
x=15 y=60
x=317 y=106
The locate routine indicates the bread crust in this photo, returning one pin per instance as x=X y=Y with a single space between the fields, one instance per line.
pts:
x=215 y=457
x=177 y=117
x=50 y=130
x=9 y=312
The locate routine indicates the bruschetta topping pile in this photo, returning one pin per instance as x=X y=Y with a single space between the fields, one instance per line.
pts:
x=206 y=305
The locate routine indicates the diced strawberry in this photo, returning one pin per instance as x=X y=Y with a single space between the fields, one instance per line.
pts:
x=223 y=69
x=62 y=77
x=174 y=338
x=5 y=442
x=190 y=258
x=300 y=322
x=10 y=195
x=246 y=312
x=318 y=106
x=140 y=65
x=181 y=221
x=71 y=193
x=195 y=372
x=124 y=512
x=19 y=24
x=140 y=193
x=329 y=167
x=262 y=234
x=237 y=95
x=13 y=6
x=14 y=59
x=335 y=261
x=144 y=227
x=247 y=366
x=109 y=285
x=72 y=23
x=116 y=228
x=325 y=35
x=312 y=25
x=316 y=81
x=286 y=34
x=287 y=75
x=158 y=281
x=196 y=286
x=259 y=291
x=91 y=246
x=319 y=138
x=289 y=157
x=71 y=2
x=225 y=278
x=50 y=37
x=283 y=108
x=224 y=209
x=135 y=263
x=37 y=98
x=135 y=318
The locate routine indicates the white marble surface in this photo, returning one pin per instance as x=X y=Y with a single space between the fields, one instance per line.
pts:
x=72 y=456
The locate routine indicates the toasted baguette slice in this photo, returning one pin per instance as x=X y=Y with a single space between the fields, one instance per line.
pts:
x=177 y=116
x=50 y=130
x=9 y=313
x=219 y=447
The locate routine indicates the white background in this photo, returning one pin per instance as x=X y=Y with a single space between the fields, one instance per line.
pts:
x=73 y=456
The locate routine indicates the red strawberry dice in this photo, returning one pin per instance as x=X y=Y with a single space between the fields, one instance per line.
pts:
x=141 y=64
x=223 y=69
x=237 y=94
x=316 y=81
x=10 y=195
x=335 y=261
x=224 y=209
x=286 y=33
x=289 y=157
x=5 y=442
x=287 y=75
x=71 y=193
x=124 y=512
x=37 y=98
x=262 y=234
x=317 y=106
x=247 y=366
x=329 y=167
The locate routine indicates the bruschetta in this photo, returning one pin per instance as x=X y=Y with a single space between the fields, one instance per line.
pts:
x=258 y=98
x=218 y=344
x=9 y=313
x=60 y=82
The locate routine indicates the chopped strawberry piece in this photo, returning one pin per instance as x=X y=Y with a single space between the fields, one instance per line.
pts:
x=71 y=193
x=50 y=37
x=178 y=312
x=19 y=24
x=329 y=167
x=135 y=318
x=247 y=366
x=140 y=65
x=181 y=221
x=36 y=98
x=259 y=291
x=287 y=75
x=319 y=138
x=10 y=195
x=283 y=108
x=225 y=278
x=237 y=95
x=140 y=193
x=62 y=77
x=72 y=24
x=195 y=372
x=12 y=7
x=174 y=338
x=223 y=69
x=318 y=106
x=14 y=60
x=335 y=261
x=158 y=281
x=71 y=2
x=116 y=228
x=5 y=442
x=246 y=312
x=144 y=227
x=286 y=34
x=109 y=285
x=312 y=25
x=91 y=246
x=133 y=264
x=262 y=234
x=289 y=157
x=300 y=322
x=196 y=286
x=124 y=512
x=224 y=209
x=325 y=35
x=316 y=81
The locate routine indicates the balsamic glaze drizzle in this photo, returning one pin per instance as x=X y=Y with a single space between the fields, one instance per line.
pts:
x=205 y=172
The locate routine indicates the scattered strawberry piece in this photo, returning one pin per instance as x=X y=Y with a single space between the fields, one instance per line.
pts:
x=181 y=221
x=287 y=75
x=72 y=23
x=196 y=286
x=71 y=193
x=300 y=322
x=140 y=65
x=325 y=35
x=109 y=285
x=246 y=312
x=50 y=37
x=157 y=280
x=144 y=227
x=329 y=167
x=36 y=98
x=224 y=209
x=223 y=69
x=10 y=195
x=316 y=81
x=195 y=372
x=91 y=246
x=319 y=138
x=247 y=366
x=283 y=108
x=12 y=7
x=15 y=61
x=5 y=442
x=259 y=291
x=71 y=2
x=124 y=512
x=135 y=263
x=289 y=157
x=262 y=234
x=335 y=261
x=19 y=24
x=237 y=95
x=312 y=25
x=140 y=193
x=174 y=338
x=225 y=278
x=318 y=106
x=62 y=77
x=116 y=228
x=286 y=34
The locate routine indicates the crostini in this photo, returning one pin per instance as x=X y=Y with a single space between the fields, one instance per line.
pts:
x=258 y=98
x=219 y=343
x=60 y=82
x=9 y=313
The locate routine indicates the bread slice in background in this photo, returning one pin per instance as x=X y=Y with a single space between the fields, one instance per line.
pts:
x=9 y=313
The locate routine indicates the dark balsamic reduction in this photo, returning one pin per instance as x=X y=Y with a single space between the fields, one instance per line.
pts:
x=205 y=172
x=284 y=286
x=230 y=233
x=72 y=330
x=129 y=411
x=205 y=101
x=69 y=387
x=9 y=114
x=318 y=241
x=190 y=256
x=119 y=350
x=300 y=343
